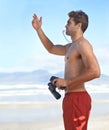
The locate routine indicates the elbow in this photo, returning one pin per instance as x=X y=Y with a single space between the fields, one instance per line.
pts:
x=96 y=73
x=50 y=49
x=93 y=73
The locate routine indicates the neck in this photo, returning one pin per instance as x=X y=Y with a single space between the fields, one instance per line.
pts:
x=76 y=37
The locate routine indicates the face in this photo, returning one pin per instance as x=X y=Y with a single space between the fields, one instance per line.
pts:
x=71 y=28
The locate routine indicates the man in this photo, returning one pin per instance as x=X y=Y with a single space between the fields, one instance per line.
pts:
x=80 y=66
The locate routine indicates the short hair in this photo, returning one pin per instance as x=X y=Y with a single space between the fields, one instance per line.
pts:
x=80 y=17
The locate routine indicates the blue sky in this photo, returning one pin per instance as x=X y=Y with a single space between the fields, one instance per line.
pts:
x=20 y=47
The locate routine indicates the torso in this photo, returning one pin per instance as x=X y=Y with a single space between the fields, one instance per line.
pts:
x=73 y=65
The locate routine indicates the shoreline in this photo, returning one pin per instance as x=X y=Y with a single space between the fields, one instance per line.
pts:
x=28 y=104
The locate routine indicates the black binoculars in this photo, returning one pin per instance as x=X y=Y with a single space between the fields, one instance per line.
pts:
x=52 y=88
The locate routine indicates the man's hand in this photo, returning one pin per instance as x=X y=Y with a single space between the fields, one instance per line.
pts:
x=59 y=82
x=36 y=23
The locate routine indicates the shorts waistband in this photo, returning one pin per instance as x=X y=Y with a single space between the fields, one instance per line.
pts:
x=78 y=92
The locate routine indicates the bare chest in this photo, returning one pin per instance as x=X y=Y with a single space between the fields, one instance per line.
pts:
x=72 y=54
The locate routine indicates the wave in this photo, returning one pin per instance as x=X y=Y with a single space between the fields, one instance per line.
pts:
x=97 y=88
x=38 y=92
x=17 y=90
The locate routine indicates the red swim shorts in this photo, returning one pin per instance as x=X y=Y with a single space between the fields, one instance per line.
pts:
x=76 y=110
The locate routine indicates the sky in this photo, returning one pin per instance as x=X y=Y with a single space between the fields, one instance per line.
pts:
x=20 y=47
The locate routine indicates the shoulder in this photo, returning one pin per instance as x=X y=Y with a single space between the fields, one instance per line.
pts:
x=68 y=45
x=84 y=44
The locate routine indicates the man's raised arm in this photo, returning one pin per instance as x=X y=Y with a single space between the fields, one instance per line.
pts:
x=51 y=48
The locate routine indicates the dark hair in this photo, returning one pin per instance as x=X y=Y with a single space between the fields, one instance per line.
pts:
x=80 y=17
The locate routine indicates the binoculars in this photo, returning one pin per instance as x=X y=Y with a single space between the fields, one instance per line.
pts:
x=52 y=88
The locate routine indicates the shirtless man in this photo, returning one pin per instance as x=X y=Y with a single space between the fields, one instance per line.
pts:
x=80 y=66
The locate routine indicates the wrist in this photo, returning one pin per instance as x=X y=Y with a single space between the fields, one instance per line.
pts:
x=38 y=30
x=68 y=83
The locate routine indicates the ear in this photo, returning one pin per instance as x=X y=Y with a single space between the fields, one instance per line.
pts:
x=79 y=25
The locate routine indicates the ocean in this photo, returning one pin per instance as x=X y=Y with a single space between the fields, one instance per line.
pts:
x=27 y=103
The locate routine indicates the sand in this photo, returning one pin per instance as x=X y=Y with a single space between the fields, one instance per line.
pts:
x=96 y=121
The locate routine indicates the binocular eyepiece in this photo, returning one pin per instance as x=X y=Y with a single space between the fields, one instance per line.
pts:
x=52 y=88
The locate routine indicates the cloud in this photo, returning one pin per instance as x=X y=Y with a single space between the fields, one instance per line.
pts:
x=45 y=61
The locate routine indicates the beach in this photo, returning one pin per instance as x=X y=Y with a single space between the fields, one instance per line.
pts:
x=95 y=123
x=33 y=107
x=47 y=116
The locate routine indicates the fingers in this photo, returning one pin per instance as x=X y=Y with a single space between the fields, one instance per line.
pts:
x=57 y=82
x=60 y=83
x=36 y=17
x=40 y=19
x=54 y=81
